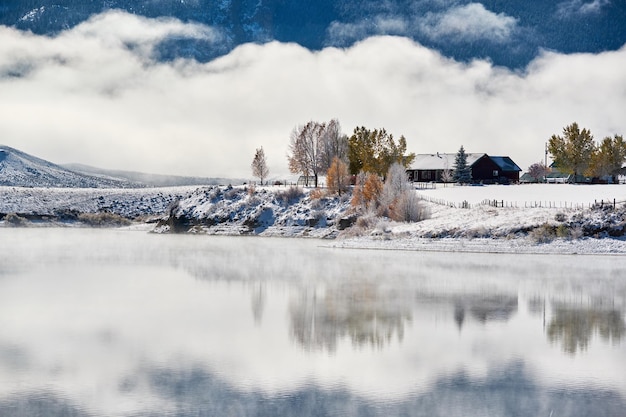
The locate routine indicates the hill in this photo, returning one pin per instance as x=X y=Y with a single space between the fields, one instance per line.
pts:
x=19 y=169
x=150 y=180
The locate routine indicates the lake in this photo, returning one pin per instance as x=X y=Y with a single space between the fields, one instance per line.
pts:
x=127 y=323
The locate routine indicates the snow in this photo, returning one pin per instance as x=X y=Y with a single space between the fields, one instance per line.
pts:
x=285 y=212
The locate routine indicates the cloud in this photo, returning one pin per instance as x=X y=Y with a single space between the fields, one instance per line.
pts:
x=573 y=8
x=95 y=95
x=470 y=22
x=346 y=33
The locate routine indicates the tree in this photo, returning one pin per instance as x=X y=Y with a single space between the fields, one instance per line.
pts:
x=608 y=157
x=305 y=150
x=337 y=176
x=313 y=146
x=259 y=165
x=334 y=144
x=447 y=175
x=366 y=190
x=375 y=151
x=462 y=172
x=538 y=171
x=572 y=152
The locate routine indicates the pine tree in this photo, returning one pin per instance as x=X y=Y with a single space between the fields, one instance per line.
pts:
x=462 y=172
x=259 y=165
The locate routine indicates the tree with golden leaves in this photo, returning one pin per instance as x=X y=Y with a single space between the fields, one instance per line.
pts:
x=337 y=176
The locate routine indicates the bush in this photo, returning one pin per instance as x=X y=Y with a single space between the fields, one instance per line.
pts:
x=14 y=220
x=103 y=219
x=542 y=234
x=408 y=208
x=290 y=195
x=317 y=193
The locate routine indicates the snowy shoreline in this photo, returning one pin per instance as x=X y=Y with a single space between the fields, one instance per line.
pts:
x=285 y=212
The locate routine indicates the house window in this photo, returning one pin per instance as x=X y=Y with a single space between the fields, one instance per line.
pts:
x=495 y=172
x=426 y=175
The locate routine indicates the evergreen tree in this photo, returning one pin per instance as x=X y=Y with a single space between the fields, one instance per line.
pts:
x=462 y=172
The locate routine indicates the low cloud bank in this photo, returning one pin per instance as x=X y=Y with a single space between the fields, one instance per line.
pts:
x=100 y=94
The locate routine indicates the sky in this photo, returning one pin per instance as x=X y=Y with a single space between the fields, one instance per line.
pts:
x=97 y=93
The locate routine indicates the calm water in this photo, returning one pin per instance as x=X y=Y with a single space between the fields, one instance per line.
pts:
x=121 y=323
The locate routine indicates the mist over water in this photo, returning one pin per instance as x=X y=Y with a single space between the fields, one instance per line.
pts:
x=125 y=323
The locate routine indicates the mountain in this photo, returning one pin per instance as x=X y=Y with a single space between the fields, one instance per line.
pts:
x=19 y=169
x=507 y=33
x=150 y=180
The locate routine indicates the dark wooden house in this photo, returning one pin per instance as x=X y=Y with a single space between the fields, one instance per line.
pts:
x=485 y=169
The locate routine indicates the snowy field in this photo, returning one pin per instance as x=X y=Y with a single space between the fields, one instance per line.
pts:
x=485 y=228
x=529 y=195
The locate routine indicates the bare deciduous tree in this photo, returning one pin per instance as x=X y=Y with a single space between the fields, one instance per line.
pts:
x=313 y=146
x=259 y=165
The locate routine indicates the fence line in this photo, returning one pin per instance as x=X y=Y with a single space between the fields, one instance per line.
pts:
x=525 y=204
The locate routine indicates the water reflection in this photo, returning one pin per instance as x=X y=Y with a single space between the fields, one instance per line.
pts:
x=361 y=311
x=574 y=328
x=110 y=323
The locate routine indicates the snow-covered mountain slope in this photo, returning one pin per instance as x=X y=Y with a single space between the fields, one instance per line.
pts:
x=150 y=180
x=19 y=169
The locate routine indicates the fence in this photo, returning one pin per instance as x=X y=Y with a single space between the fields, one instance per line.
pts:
x=525 y=204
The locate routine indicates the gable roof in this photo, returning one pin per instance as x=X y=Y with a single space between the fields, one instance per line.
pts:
x=505 y=163
x=441 y=161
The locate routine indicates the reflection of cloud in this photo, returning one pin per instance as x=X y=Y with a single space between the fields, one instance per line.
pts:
x=468 y=23
x=571 y=8
x=575 y=328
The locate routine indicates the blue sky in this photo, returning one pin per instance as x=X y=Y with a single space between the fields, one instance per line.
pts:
x=193 y=88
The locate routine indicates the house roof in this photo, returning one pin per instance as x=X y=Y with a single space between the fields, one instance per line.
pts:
x=441 y=161
x=505 y=163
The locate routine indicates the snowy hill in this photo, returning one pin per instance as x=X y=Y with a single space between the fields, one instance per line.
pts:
x=19 y=169
x=150 y=180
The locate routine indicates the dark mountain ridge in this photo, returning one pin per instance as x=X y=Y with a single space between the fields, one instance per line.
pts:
x=567 y=26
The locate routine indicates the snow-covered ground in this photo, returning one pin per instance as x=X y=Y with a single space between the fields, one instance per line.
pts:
x=507 y=226
x=538 y=218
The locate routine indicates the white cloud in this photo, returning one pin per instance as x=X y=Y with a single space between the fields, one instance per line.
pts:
x=345 y=33
x=469 y=22
x=85 y=96
x=572 y=8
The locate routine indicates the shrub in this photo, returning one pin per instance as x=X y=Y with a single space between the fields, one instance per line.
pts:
x=317 y=193
x=408 y=208
x=542 y=234
x=103 y=219
x=290 y=195
x=14 y=220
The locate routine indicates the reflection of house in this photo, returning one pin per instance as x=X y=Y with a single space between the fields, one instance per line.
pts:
x=485 y=169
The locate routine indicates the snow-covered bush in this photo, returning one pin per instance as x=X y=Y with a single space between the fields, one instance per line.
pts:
x=14 y=220
x=103 y=219
x=290 y=195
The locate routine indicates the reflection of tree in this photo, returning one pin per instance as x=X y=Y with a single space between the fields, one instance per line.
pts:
x=359 y=311
x=258 y=302
x=575 y=327
x=484 y=308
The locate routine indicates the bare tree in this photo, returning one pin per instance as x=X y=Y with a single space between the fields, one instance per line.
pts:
x=334 y=144
x=538 y=171
x=259 y=165
x=305 y=149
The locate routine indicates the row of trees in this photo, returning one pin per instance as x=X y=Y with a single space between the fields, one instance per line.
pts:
x=575 y=152
x=314 y=147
